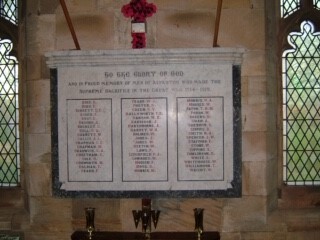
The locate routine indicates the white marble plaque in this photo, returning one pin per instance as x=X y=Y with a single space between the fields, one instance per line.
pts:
x=145 y=121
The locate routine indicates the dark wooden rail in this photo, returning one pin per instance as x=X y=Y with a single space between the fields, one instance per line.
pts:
x=82 y=235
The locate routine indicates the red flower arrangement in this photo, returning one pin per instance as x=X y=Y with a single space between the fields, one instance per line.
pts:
x=138 y=40
x=138 y=11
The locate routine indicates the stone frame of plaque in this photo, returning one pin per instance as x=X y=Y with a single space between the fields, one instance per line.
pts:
x=164 y=141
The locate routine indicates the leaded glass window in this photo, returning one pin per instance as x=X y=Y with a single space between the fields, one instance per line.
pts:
x=9 y=118
x=301 y=107
x=9 y=10
x=288 y=7
x=9 y=102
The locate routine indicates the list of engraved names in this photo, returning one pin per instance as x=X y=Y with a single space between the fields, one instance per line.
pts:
x=144 y=139
x=199 y=146
x=89 y=140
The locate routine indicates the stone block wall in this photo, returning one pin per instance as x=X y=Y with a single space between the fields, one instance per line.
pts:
x=99 y=24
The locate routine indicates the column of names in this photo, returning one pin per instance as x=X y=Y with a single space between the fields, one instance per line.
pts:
x=89 y=140
x=200 y=138
x=144 y=139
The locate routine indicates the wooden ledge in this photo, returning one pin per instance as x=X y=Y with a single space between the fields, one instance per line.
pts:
x=82 y=235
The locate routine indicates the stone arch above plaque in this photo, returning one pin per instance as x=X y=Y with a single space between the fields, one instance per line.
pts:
x=146 y=123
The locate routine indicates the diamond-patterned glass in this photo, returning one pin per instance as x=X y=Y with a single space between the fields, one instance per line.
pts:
x=288 y=7
x=301 y=107
x=9 y=10
x=9 y=118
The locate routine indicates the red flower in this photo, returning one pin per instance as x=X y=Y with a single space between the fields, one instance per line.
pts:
x=138 y=11
x=127 y=11
x=138 y=40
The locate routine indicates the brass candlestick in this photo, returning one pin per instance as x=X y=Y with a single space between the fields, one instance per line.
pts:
x=90 y=220
x=198 y=217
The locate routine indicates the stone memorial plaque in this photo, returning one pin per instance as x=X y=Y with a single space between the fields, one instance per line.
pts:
x=146 y=123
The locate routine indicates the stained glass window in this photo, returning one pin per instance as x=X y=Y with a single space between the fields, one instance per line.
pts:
x=301 y=112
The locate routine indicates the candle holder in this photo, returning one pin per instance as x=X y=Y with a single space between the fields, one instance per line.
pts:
x=198 y=217
x=146 y=215
x=146 y=220
x=90 y=221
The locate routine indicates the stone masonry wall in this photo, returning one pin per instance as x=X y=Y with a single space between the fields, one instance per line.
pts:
x=99 y=24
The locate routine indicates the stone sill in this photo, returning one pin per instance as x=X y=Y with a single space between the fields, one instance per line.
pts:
x=13 y=219
x=299 y=197
x=294 y=220
x=302 y=219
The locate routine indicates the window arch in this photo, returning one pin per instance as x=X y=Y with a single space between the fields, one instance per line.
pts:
x=9 y=90
x=300 y=44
